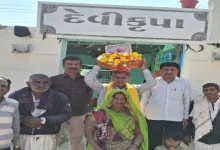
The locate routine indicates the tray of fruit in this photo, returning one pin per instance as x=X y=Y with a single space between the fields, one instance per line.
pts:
x=121 y=61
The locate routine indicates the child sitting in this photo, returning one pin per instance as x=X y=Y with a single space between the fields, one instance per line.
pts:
x=171 y=141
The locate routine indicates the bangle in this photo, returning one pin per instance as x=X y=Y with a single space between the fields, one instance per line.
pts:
x=136 y=144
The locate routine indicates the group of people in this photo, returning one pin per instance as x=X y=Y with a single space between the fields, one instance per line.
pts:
x=33 y=118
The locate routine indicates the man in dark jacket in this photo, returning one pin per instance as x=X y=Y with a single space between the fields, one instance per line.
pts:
x=42 y=111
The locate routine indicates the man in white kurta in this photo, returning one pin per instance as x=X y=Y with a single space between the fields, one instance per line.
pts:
x=206 y=118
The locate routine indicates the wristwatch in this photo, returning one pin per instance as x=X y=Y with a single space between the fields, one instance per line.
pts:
x=43 y=120
x=17 y=147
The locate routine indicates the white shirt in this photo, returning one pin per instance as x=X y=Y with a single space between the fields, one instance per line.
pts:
x=216 y=108
x=37 y=112
x=167 y=101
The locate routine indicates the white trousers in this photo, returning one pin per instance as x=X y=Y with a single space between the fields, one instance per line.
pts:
x=38 y=142
x=203 y=146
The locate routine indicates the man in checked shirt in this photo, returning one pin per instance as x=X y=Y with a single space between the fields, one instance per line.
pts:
x=119 y=80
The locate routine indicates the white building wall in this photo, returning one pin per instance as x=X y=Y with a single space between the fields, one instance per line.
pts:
x=214 y=21
x=44 y=58
x=199 y=68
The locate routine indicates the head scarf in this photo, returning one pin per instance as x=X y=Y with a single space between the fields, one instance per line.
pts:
x=134 y=111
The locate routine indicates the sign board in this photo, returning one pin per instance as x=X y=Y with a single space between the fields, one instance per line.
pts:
x=122 y=22
x=118 y=48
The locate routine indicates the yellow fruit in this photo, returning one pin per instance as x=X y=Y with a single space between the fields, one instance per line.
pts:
x=104 y=60
x=123 y=59
x=119 y=54
x=112 y=56
x=110 y=63
x=130 y=53
x=117 y=60
x=135 y=54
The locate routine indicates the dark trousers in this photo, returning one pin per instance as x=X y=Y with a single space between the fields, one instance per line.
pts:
x=5 y=148
x=156 y=129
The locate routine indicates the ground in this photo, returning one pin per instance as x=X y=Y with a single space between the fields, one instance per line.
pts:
x=65 y=139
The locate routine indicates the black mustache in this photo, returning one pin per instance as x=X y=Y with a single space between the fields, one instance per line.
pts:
x=73 y=68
